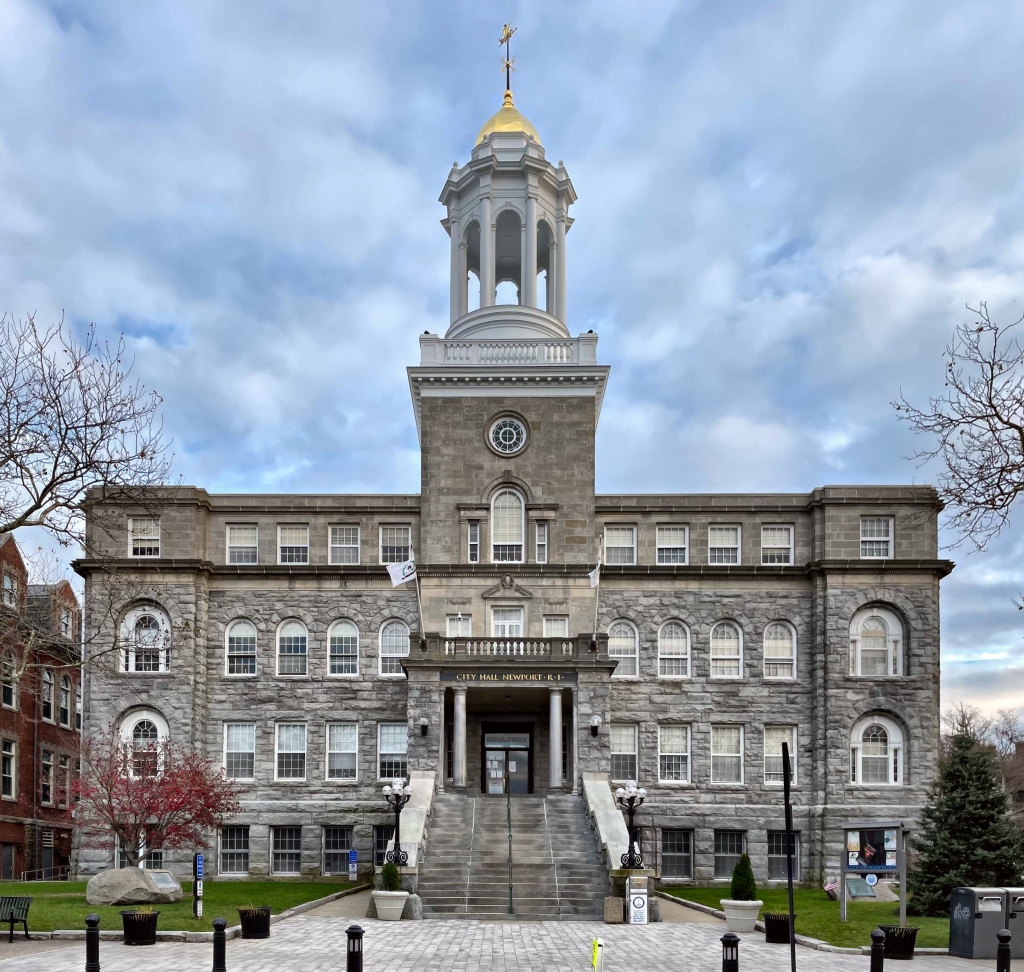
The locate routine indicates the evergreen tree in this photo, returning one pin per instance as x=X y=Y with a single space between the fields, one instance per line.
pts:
x=967 y=838
x=743 y=886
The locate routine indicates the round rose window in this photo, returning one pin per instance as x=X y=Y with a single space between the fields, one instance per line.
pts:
x=508 y=436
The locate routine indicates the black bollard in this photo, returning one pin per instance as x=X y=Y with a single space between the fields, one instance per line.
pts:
x=354 y=957
x=877 y=950
x=219 y=945
x=92 y=943
x=1003 y=950
x=730 y=952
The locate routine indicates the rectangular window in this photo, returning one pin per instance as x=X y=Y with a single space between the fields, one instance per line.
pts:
x=234 y=850
x=392 y=750
x=382 y=834
x=726 y=754
x=337 y=844
x=286 y=850
x=728 y=851
x=151 y=860
x=144 y=534
x=10 y=589
x=8 y=769
x=343 y=649
x=672 y=544
x=241 y=649
x=63 y=780
x=776 y=545
x=777 y=856
x=542 y=542
x=66 y=624
x=774 y=737
x=47 y=700
x=8 y=679
x=677 y=853
x=344 y=545
x=620 y=545
x=473 y=550
x=623 y=752
x=395 y=544
x=240 y=750
x=506 y=622
x=243 y=543
x=342 y=750
x=556 y=626
x=723 y=544
x=876 y=537
x=46 y=779
x=460 y=625
x=293 y=544
x=674 y=754
x=291 y=751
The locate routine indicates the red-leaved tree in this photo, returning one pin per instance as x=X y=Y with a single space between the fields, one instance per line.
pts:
x=150 y=797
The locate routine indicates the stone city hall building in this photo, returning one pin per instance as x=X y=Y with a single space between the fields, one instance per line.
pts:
x=265 y=627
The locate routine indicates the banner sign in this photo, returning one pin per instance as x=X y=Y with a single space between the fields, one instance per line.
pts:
x=507 y=677
x=507 y=740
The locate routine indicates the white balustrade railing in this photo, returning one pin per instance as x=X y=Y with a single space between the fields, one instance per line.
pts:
x=510 y=647
x=510 y=352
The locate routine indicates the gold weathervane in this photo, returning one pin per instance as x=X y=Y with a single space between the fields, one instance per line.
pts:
x=507 y=62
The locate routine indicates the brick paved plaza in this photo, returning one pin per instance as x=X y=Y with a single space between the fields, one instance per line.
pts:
x=309 y=943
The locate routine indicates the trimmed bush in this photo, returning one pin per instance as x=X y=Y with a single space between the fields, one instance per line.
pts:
x=744 y=888
x=391 y=880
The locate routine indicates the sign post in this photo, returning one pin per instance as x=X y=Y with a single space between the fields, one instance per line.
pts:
x=636 y=896
x=353 y=860
x=873 y=849
x=197 y=886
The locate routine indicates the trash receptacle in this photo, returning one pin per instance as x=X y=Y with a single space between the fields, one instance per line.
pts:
x=975 y=915
x=1015 y=920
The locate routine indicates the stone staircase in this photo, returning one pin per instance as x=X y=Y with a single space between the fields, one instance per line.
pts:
x=556 y=866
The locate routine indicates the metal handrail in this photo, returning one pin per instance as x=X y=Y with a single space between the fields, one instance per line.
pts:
x=62 y=873
x=508 y=824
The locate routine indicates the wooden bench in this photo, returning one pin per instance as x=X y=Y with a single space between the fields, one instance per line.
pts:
x=14 y=909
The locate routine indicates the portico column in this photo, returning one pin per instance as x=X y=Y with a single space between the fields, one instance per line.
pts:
x=530 y=256
x=459 y=741
x=555 y=738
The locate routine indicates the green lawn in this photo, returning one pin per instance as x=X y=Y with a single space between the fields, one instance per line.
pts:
x=818 y=916
x=62 y=904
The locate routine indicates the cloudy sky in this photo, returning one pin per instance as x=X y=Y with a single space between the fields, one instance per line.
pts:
x=784 y=209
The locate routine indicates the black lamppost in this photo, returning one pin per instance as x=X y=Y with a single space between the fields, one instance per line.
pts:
x=397 y=794
x=630 y=798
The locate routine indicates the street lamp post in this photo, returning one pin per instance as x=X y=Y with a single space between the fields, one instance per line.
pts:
x=397 y=794
x=631 y=798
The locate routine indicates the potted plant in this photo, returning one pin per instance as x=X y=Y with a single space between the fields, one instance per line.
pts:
x=390 y=902
x=139 y=925
x=255 y=920
x=742 y=908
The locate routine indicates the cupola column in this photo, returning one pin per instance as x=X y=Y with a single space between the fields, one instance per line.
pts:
x=560 y=271
x=529 y=297
x=487 y=254
x=458 y=272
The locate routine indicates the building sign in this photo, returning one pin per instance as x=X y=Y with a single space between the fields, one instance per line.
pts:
x=871 y=850
x=507 y=677
x=507 y=740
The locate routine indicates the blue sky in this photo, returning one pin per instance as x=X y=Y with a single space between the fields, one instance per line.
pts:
x=784 y=208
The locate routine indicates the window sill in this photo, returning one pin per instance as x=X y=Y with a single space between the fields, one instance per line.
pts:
x=242 y=677
x=146 y=674
x=727 y=678
x=342 y=782
x=292 y=677
x=781 y=678
x=390 y=675
x=677 y=784
x=290 y=780
x=876 y=786
x=350 y=676
x=729 y=786
x=675 y=678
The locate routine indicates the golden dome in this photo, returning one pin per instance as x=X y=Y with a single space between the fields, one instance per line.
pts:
x=508 y=118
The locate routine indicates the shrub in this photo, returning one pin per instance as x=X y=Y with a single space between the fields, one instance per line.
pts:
x=744 y=887
x=390 y=879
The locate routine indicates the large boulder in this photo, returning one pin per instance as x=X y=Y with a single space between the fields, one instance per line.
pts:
x=132 y=885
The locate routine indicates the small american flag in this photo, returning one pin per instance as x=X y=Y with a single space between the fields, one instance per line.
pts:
x=831 y=885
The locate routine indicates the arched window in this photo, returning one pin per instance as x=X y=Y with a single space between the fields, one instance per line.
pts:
x=394 y=646
x=623 y=644
x=9 y=681
x=779 y=651
x=726 y=650
x=876 y=752
x=876 y=643
x=291 y=648
x=674 y=650
x=344 y=649
x=507 y=527
x=64 y=708
x=47 y=695
x=145 y=639
x=241 y=648
x=145 y=743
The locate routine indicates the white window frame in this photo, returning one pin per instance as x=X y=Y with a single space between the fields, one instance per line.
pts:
x=512 y=544
x=392 y=752
x=622 y=728
x=304 y=655
x=408 y=542
x=504 y=627
x=140 y=540
x=354 y=751
x=232 y=850
x=616 y=652
x=459 y=625
x=720 y=558
x=278 y=752
x=9 y=679
x=664 y=656
x=46 y=777
x=893 y=642
x=128 y=653
x=722 y=659
x=627 y=559
x=777 y=554
x=779 y=659
x=716 y=735
x=242 y=554
x=67 y=626
x=874 y=539
x=229 y=655
x=336 y=550
x=895 y=751
x=296 y=547
x=559 y=621
x=247 y=725
x=12 y=594
x=684 y=753
x=65 y=693
x=391 y=654
x=774 y=769
x=540 y=530
x=473 y=541
x=127 y=732
x=667 y=554
x=47 y=696
x=12 y=755
x=332 y=636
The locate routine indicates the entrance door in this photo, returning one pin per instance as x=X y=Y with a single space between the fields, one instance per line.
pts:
x=7 y=862
x=495 y=772
x=507 y=759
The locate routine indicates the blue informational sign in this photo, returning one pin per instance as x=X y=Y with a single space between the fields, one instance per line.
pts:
x=352 y=857
x=199 y=865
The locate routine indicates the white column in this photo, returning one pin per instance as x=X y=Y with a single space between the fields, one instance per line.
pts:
x=487 y=256
x=530 y=255
x=464 y=277
x=560 y=286
x=458 y=282
x=555 y=738
x=459 y=746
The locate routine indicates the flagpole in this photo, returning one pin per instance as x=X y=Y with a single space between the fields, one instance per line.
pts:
x=419 y=604
x=597 y=596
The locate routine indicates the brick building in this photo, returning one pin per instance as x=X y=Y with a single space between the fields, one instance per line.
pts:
x=39 y=719
x=265 y=627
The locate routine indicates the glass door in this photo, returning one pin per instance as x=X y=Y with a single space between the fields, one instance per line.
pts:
x=495 y=765
x=518 y=771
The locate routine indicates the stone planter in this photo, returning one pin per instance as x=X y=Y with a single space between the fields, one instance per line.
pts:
x=255 y=922
x=139 y=927
x=389 y=904
x=740 y=915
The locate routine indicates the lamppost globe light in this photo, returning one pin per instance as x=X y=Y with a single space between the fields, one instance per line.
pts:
x=620 y=793
x=642 y=793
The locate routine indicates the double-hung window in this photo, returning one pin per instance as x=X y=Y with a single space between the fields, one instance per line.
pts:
x=344 y=648
x=776 y=545
x=144 y=536
x=64 y=701
x=243 y=543
x=507 y=527
x=46 y=779
x=234 y=849
x=777 y=856
x=344 y=545
x=63 y=780
x=620 y=545
x=9 y=680
x=726 y=754
x=459 y=625
x=728 y=851
x=726 y=651
x=293 y=544
x=673 y=650
x=8 y=769
x=876 y=752
x=723 y=544
x=507 y=622
x=673 y=542
x=241 y=648
x=624 y=644
x=394 y=646
x=11 y=595
x=395 y=544
x=473 y=542
x=240 y=750
x=66 y=622
x=875 y=642
x=779 y=651
x=676 y=853
x=286 y=850
x=337 y=844
x=876 y=537
x=674 y=754
x=541 y=528
x=291 y=751
x=774 y=737
x=556 y=626
x=623 y=739
x=291 y=648
x=342 y=750
x=392 y=750
x=47 y=695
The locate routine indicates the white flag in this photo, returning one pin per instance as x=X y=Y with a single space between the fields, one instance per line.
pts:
x=402 y=573
x=595 y=575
